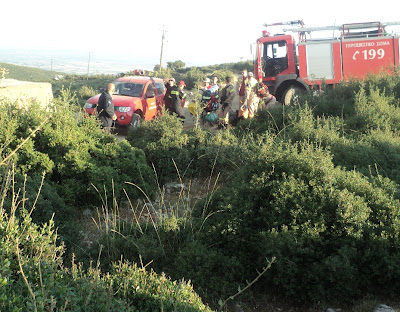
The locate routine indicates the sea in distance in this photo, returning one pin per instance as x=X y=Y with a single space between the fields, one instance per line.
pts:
x=75 y=62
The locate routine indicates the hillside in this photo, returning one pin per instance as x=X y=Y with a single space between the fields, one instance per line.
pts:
x=302 y=200
x=191 y=75
x=25 y=73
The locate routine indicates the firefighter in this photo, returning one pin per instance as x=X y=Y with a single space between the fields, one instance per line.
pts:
x=242 y=88
x=252 y=97
x=206 y=85
x=182 y=93
x=228 y=93
x=213 y=94
x=167 y=97
x=267 y=100
x=205 y=95
x=210 y=102
x=177 y=96
x=210 y=95
x=105 y=108
x=247 y=98
x=214 y=89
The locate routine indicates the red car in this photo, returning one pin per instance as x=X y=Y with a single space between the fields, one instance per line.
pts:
x=135 y=98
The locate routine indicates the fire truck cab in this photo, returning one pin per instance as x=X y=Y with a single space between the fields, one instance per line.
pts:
x=287 y=67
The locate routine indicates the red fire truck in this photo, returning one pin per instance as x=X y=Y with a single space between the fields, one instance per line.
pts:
x=287 y=67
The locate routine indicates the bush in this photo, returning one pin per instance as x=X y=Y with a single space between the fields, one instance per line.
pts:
x=32 y=276
x=196 y=261
x=74 y=151
x=47 y=205
x=312 y=216
x=314 y=184
x=173 y=151
x=163 y=142
x=85 y=92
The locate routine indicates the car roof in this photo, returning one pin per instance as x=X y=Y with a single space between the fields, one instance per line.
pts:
x=143 y=79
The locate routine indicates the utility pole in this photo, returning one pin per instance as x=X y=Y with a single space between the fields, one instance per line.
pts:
x=88 y=66
x=162 y=46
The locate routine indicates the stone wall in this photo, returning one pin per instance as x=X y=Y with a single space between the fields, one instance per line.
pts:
x=23 y=92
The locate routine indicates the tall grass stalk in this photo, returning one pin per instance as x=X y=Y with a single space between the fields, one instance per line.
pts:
x=24 y=276
x=108 y=220
x=17 y=240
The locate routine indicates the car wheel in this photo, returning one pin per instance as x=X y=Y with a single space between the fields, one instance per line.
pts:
x=291 y=95
x=136 y=120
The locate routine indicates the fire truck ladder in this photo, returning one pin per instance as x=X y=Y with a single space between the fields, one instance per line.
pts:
x=354 y=30
x=292 y=23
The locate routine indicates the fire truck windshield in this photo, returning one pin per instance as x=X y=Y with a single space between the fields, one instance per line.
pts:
x=129 y=88
x=274 y=58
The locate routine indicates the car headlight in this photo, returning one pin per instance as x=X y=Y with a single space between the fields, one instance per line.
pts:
x=89 y=105
x=122 y=109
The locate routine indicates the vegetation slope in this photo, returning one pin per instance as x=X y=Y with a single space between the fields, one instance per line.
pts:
x=311 y=190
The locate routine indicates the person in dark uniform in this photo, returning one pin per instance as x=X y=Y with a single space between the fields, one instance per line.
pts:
x=167 y=97
x=177 y=96
x=105 y=108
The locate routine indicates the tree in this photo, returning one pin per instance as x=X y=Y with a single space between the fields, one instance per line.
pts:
x=221 y=74
x=176 y=65
x=179 y=64
x=193 y=77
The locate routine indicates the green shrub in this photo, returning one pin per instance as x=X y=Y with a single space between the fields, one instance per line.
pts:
x=74 y=151
x=153 y=242
x=85 y=92
x=312 y=216
x=163 y=142
x=148 y=292
x=47 y=205
x=32 y=276
x=374 y=110
x=174 y=152
x=115 y=166
x=196 y=261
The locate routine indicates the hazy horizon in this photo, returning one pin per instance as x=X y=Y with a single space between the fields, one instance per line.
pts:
x=74 y=61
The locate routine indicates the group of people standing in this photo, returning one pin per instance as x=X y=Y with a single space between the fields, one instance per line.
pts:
x=174 y=98
x=253 y=95
x=221 y=100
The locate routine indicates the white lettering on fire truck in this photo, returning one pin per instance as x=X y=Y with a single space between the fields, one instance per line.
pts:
x=369 y=54
x=360 y=44
x=383 y=43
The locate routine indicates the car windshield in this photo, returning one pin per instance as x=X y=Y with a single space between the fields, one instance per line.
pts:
x=128 y=88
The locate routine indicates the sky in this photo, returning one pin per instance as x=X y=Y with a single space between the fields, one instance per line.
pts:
x=198 y=33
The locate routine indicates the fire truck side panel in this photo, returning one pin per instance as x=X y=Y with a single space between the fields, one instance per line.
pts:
x=319 y=60
x=337 y=62
x=397 y=56
x=361 y=57
x=302 y=61
x=291 y=52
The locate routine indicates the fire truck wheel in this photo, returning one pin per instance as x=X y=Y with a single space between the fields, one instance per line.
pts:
x=291 y=94
x=136 y=120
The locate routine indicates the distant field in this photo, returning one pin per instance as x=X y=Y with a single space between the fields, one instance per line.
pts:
x=25 y=73
x=73 y=82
